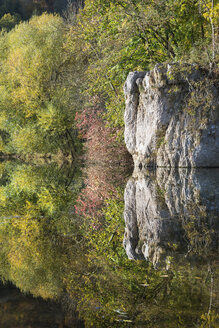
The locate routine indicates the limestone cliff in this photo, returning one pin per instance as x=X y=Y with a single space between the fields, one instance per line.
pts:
x=172 y=117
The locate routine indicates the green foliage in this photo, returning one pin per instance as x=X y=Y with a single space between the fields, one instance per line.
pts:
x=51 y=67
x=115 y=291
x=36 y=87
x=34 y=213
x=123 y=36
x=47 y=250
x=8 y=21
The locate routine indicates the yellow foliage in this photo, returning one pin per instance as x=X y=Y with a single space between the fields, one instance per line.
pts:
x=211 y=12
x=46 y=201
x=3 y=196
x=25 y=179
x=35 y=50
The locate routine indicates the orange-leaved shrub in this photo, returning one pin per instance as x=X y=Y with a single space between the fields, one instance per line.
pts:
x=108 y=162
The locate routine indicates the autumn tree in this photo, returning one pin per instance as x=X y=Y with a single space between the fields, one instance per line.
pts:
x=38 y=88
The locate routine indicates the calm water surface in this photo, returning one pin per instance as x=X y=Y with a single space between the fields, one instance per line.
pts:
x=87 y=249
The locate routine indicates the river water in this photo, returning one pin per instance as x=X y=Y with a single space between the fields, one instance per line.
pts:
x=97 y=248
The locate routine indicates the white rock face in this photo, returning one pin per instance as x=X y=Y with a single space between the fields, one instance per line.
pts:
x=171 y=118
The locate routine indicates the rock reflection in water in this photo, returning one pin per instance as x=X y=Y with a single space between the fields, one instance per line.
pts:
x=171 y=212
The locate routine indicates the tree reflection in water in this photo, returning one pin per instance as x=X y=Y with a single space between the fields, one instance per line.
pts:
x=77 y=259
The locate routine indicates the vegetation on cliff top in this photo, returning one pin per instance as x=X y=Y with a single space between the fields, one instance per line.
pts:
x=51 y=67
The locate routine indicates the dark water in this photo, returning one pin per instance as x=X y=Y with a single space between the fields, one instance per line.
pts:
x=19 y=310
x=69 y=259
